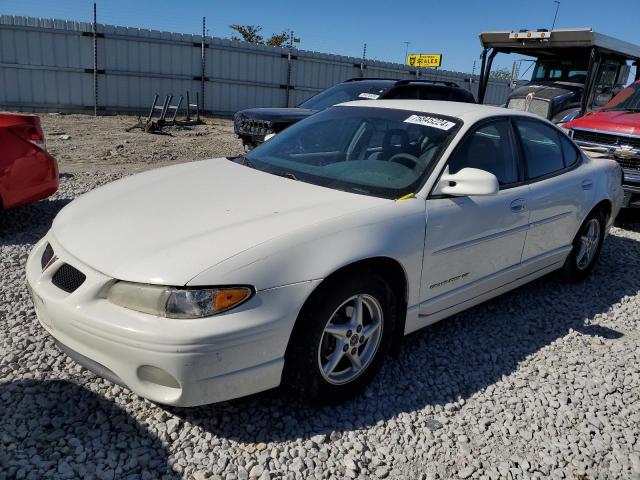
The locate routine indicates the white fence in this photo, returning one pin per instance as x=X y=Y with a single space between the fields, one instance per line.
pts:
x=49 y=65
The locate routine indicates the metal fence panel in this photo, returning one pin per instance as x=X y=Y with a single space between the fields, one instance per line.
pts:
x=48 y=65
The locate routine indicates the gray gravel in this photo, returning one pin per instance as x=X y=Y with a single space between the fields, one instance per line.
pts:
x=543 y=382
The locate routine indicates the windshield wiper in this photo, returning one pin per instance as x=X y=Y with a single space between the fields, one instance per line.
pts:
x=286 y=175
x=246 y=162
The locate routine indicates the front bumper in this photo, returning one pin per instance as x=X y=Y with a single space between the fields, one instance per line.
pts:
x=175 y=362
x=251 y=131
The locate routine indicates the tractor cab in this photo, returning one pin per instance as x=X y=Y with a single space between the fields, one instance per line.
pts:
x=575 y=70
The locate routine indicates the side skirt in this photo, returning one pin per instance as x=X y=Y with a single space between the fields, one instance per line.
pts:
x=484 y=289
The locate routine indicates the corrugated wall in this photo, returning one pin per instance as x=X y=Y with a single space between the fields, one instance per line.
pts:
x=48 y=65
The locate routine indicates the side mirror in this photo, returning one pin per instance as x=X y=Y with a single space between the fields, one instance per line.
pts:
x=467 y=182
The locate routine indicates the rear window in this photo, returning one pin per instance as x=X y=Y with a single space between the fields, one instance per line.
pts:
x=347 y=92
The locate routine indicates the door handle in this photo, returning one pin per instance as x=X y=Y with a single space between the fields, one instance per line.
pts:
x=587 y=184
x=518 y=205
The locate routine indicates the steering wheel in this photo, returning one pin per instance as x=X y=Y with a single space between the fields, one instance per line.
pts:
x=404 y=158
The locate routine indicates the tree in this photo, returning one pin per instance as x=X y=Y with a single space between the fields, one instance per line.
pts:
x=278 y=39
x=249 y=33
x=501 y=73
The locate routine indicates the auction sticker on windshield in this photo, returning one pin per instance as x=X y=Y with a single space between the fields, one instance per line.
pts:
x=370 y=96
x=430 y=122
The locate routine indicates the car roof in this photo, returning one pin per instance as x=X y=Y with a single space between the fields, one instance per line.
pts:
x=461 y=110
x=418 y=82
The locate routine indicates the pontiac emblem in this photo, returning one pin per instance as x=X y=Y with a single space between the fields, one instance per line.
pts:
x=527 y=102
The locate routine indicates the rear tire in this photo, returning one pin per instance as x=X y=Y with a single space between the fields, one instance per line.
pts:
x=586 y=248
x=333 y=352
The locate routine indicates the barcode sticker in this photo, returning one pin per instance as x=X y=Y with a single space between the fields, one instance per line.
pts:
x=430 y=122
x=370 y=96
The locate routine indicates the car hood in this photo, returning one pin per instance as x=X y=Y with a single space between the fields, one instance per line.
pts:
x=548 y=90
x=168 y=225
x=626 y=123
x=276 y=114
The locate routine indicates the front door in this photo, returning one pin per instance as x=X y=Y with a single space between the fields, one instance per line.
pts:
x=473 y=242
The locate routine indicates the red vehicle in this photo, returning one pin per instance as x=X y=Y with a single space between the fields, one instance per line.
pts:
x=27 y=172
x=614 y=131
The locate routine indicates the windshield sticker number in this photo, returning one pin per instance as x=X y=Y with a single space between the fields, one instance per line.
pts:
x=370 y=96
x=430 y=122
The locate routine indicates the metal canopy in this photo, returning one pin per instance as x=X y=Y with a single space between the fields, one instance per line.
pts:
x=559 y=39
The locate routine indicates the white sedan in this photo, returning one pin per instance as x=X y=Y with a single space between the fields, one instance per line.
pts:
x=307 y=260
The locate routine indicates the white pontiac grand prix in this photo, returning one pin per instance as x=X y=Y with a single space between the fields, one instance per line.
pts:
x=307 y=260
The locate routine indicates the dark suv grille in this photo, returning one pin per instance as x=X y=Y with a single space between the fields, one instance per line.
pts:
x=47 y=255
x=252 y=127
x=604 y=138
x=68 y=278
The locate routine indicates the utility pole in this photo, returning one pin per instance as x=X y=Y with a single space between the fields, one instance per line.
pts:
x=364 y=57
x=557 y=2
x=95 y=61
x=406 y=52
x=289 y=66
x=202 y=64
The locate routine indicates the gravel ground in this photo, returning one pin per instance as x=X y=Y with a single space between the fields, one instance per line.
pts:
x=543 y=382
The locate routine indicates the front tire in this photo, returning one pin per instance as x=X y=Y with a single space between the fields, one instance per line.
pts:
x=586 y=248
x=341 y=338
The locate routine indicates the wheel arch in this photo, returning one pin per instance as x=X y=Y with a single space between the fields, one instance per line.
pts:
x=605 y=206
x=390 y=269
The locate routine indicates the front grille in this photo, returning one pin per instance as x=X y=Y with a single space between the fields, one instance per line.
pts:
x=629 y=163
x=47 y=255
x=516 y=104
x=68 y=278
x=605 y=138
x=613 y=142
x=538 y=107
x=245 y=126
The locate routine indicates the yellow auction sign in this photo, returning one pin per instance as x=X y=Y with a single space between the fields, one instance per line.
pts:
x=424 y=60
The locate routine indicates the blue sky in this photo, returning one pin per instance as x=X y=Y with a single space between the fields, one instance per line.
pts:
x=450 y=27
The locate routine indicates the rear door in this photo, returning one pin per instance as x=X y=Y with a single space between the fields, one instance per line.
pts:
x=558 y=187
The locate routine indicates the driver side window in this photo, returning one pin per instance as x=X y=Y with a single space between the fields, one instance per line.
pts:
x=489 y=148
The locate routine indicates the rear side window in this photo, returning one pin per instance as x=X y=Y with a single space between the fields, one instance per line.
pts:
x=543 y=153
x=569 y=151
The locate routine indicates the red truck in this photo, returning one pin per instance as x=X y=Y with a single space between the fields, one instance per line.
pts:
x=614 y=131
x=27 y=172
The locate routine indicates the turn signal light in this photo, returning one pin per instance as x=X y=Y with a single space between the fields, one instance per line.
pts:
x=225 y=298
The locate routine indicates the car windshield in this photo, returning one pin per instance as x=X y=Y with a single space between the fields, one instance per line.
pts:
x=627 y=99
x=346 y=92
x=574 y=71
x=368 y=150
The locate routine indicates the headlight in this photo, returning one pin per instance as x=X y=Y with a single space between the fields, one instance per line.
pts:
x=172 y=302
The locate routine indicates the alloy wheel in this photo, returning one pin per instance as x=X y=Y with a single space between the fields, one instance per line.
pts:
x=350 y=339
x=588 y=244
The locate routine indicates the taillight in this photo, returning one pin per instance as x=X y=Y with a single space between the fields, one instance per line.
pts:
x=30 y=133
